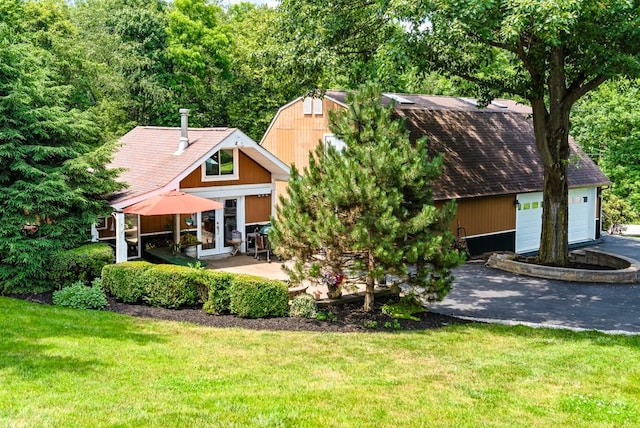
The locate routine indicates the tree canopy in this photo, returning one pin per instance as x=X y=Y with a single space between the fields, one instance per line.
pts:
x=53 y=183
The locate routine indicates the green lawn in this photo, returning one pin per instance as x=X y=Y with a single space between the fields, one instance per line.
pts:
x=64 y=367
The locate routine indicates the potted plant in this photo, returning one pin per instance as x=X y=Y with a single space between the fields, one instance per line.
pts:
x=188 y=244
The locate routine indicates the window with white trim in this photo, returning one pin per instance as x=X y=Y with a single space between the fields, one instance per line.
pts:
x=222 y=165
x=335 y=142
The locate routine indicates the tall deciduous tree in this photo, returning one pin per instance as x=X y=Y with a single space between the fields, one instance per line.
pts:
x=199 y=54
x=373 y=199
x=53 y=184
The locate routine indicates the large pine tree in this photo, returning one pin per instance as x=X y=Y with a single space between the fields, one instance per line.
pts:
x=53 y=184
x=372 y=200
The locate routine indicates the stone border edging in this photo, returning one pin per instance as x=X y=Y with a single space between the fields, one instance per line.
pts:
x=628 y=275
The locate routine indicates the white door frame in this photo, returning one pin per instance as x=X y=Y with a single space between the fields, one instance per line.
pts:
x=220 y=246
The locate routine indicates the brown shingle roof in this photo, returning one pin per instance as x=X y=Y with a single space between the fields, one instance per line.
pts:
x=488 y=151
x=147 y=156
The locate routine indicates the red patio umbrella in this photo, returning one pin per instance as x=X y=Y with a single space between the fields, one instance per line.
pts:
x=173 y=202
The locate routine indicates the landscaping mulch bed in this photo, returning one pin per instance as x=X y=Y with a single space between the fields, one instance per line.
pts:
x=347 y=317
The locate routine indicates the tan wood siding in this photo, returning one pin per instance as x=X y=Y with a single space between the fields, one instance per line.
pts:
x=294 y=134
x=257 y=209
x=480 y=216
x=250 y=172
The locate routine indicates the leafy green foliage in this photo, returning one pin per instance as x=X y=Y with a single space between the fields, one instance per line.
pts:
x=373 y=201
x=126 y=281
x=219 y=297
x=607 y=125
x=52 y=177
x=405 y=308
x=170 y=286
x=252 y=297
x=79 y=296
x=83 y=264
x=303 y=305
x=616 y=211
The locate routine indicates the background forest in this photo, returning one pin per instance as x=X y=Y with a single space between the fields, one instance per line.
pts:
x=124 y=63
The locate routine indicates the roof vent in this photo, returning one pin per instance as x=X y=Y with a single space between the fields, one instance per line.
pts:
x=184 y=125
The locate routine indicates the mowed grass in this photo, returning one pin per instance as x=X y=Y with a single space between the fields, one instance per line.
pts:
x=63 y=367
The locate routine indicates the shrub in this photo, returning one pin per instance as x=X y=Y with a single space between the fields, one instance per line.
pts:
x=171 y=286
x=253 y=297
x=125 y=281
x=406 y=308
x=303 y=305
x=219 y=299
x=83 y=263
x=79 y=296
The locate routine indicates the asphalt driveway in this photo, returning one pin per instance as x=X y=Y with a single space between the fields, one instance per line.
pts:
x=489 y=294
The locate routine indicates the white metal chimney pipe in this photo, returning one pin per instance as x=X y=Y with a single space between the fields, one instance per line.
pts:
x=184 y=124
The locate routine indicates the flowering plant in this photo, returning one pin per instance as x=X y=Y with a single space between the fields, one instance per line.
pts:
x=333 y=279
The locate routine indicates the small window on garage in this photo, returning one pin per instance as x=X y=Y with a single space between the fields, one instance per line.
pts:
x=534 y=205
x=526 y=206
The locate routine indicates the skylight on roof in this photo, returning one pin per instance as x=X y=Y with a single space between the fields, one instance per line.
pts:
x=398 y=98
x=471 y=101
x=497 y=104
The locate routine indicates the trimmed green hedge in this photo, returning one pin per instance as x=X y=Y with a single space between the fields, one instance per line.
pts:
x=254 y=297
x=219 y=298
x=83 y=263
x=172 y=286
x=125 y=281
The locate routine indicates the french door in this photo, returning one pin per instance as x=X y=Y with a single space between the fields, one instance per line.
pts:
x=216 y=228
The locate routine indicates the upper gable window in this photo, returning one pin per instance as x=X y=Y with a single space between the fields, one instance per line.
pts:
x=222 y=165
x=312 y=106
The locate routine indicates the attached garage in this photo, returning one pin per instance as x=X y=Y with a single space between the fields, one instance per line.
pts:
x=582 y=215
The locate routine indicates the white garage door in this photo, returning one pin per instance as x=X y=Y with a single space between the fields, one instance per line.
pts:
x=528 y=222
x=582 y=214
x=582 y=207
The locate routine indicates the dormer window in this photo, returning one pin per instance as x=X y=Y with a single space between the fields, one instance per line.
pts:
x=222 y=165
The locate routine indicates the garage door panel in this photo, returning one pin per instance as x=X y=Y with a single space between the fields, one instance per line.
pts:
x=529 y=218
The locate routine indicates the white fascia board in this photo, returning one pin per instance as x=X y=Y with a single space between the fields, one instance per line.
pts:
x=230 y=191
x=240 y=140
x=280 y=110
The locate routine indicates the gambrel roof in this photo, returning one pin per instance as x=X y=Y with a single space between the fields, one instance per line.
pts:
x=487 y=151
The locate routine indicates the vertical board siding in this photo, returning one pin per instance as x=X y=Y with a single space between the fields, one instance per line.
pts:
x=293 y=134
x=250 y=172
x=480 y=216
x=257 y=209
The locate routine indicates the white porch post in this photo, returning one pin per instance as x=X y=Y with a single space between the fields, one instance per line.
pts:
x=121 y=243
x=94 y=233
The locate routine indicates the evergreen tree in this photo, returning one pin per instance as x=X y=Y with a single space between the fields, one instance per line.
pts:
x=53 y=184
x=373 y=200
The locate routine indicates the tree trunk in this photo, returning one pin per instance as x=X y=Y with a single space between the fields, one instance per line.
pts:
x=368 y=295
x=554 y=241
x=551 y=128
